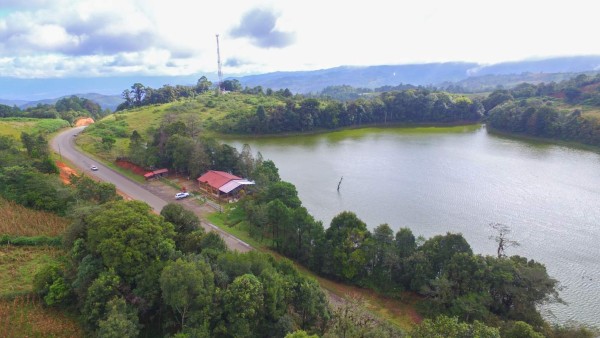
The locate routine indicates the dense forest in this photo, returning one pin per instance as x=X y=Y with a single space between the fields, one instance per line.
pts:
x=67 y=108
x=550 y=110
x=539 y=110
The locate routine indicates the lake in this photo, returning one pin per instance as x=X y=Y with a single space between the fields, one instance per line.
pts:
x=459 y=179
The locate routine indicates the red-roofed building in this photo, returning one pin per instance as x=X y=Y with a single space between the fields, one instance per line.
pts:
x=156 y=173
x=220 y=183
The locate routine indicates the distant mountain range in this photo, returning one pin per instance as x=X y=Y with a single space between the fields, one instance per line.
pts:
x=24 y=91
x=415 y=74
x=105 y=101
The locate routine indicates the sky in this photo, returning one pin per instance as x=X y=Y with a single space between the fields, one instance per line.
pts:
x=101 y=38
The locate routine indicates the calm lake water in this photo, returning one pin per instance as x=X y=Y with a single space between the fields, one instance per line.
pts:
x=460 y=179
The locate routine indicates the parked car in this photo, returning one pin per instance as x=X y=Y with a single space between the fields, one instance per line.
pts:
x=94 y=168
x=181 y=195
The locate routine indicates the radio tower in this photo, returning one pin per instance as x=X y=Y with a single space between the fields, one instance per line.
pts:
x=220 y=72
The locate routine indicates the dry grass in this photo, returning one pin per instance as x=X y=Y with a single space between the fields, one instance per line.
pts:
x=18 y=266
x=25 y=316
x=17 y=220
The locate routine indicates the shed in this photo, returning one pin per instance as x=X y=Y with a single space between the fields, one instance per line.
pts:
x=220 y=183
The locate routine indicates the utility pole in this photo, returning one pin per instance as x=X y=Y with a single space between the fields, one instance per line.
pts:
x=219 y=72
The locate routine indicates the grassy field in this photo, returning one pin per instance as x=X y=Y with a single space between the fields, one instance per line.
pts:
x=14 y=126
x=25 y=316
x=18 y=266
x=20 y=221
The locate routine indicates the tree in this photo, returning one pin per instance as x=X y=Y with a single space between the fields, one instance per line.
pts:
x=450 y=327
x=300 y=334
x=137 y=148
x=502 y=238
x=310 y=303
x=203 y=85
x=108 y=142
x=521 y=329
x=101 y=291
x=405 y=242
x=121 y=321
x=243 y=302
x=128 y=237
x=285 y=192
x=90 y=190
x=265 y=173
x=188 y=288
x=351 y=319
x=49 y=283
x=279 y=217
x=345 y=236
x=382 y=256
x=138 y=91
x=184 y=220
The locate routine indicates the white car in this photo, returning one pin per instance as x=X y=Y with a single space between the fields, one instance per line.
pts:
x=181 y=195
x=94 y=168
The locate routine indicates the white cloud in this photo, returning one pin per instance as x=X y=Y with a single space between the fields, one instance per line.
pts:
x=62 y=37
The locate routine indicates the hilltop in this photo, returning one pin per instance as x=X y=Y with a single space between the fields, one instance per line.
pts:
x=427 y=74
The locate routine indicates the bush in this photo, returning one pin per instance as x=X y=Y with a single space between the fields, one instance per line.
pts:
x=30 y=241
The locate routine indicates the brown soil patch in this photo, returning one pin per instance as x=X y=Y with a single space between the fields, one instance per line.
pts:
x=136 y=169
x=86 y=121
x=591 y=88
x=65 y=172
x=26 y=316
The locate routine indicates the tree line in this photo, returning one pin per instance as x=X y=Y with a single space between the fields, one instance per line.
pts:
x=527 y=109
x=443 y=269
x=139 y=95
x=66 y=108
x=299 y=114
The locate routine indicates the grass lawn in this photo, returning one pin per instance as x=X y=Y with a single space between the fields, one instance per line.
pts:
x=18 y=266
x=14 y=126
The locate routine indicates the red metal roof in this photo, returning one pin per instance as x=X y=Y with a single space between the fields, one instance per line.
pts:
x=217 y=179
x=160 y=171
x=148 y=175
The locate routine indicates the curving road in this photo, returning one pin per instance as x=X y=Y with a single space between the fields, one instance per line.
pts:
x=64 y=145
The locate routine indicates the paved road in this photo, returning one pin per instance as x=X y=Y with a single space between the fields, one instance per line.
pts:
x=64 y=144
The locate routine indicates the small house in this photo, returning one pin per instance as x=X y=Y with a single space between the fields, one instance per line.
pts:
x=222 y=184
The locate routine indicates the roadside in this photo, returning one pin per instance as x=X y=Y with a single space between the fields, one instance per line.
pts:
x=196 y=204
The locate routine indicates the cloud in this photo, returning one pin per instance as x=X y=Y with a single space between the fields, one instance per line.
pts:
x=76 y=33
x=235 y=62
x=259 y=25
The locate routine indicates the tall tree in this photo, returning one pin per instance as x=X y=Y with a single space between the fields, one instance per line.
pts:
x=188 y=287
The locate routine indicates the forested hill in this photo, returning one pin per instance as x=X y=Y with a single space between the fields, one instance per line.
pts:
x=104 y=101
x=568 y=111
x=415 y=74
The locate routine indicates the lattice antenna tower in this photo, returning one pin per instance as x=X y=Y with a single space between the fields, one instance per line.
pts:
x=219 y=72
